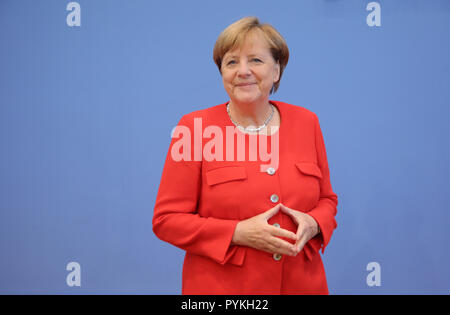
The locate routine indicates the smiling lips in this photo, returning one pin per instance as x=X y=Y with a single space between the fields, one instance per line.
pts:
x=245 y=84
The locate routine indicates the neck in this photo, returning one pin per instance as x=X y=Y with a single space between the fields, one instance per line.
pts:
x=250 y=114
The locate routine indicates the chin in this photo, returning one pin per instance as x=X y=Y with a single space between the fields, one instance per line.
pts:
x=247 y=99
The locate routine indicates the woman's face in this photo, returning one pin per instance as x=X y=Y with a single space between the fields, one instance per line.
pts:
x=249 y=72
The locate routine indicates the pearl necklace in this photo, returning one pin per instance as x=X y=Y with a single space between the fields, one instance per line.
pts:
x=249 y=128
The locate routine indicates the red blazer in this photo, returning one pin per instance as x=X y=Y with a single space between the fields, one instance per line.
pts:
x=199 y=203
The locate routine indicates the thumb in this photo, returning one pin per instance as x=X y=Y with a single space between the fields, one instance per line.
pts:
x=271 y=212
x=287 y=210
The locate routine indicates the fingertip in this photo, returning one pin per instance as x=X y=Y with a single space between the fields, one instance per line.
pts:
x=284 y=208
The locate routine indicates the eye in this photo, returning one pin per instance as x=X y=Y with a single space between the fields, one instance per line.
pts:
x=231 y=61
x=256 y=59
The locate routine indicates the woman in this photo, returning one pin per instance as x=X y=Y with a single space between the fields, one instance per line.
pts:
x=248 y=227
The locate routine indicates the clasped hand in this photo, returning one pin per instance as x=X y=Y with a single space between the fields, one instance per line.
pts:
x=256 y=232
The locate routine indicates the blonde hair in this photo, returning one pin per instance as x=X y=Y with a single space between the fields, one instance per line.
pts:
x=235 y=35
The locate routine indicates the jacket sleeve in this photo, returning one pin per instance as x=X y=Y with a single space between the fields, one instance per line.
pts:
x=176 y=219
x=325 y=211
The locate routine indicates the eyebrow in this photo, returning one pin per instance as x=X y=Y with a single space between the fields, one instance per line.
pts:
x=234 y=56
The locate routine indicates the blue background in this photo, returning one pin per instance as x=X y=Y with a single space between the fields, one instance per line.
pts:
x=86 y=114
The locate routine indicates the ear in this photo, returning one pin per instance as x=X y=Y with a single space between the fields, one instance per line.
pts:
x=277 y=71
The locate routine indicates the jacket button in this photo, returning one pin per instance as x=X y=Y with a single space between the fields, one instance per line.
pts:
x=274 y=198
x=276 y=225
x=270 y=171
x=276 y=256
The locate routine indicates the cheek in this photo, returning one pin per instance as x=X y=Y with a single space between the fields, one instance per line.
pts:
x=228 y=84
x=226 y=78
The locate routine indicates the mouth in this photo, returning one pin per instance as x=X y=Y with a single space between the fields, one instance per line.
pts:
x=245 y=84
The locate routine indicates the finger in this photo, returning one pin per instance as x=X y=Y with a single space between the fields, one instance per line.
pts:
x=300 y=244
x=274 y=250
x=280 y=246
x=283 y=233
x=271 y=212
x=287 y=210
x=298 y=237
x=290 y=212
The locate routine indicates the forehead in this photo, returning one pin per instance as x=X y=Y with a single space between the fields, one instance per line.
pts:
x=253 y=43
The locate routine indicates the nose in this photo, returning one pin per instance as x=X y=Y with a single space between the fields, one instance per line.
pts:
x=244 y=69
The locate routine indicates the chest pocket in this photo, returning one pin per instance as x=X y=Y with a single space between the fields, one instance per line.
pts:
x=225 y=190
x=308 y=179
x=225 y=174
x=309 y=168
